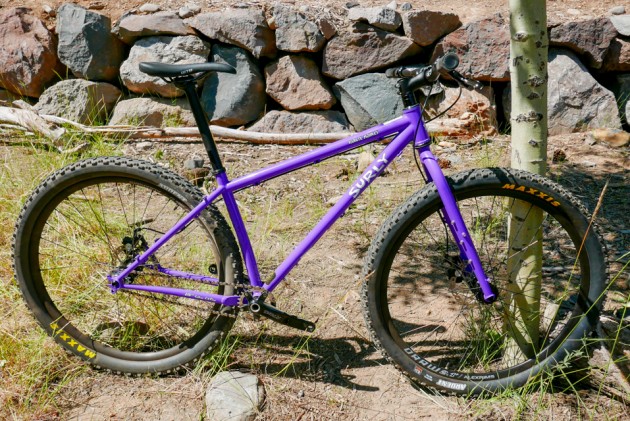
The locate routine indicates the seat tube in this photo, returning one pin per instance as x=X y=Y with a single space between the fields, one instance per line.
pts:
x=455 y=222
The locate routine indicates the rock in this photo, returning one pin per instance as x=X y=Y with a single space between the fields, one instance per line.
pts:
x=381 y=17
x=155 y=112
x=28 y=53
x=621 y=89
x=406 y=7
x=296 y=84
x=351 y=4
x=234 y=99
x=614 y=137
x=369 y=99
x=164 y=49
x=424 y=27
x=327 y=28
x=84 y=36
x=245 y=28
x=576 y=101
x=307 y=122
x=618 y=57
x=475 y=109
x=234 y=396
x=49 y=10
x=617 y=10
x=295 y=32
x=392 y=5
x=363 y=49
x=131 y=27
x=483 y=47
x=621 y=24
x=149 y=8
x=184 y=12
x=589 y=38
x=79 y=100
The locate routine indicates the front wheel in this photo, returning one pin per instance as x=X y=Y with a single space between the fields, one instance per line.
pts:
x=422 y=304
x=91 y=219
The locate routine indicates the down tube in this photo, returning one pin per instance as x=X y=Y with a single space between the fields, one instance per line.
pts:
x=358 y=186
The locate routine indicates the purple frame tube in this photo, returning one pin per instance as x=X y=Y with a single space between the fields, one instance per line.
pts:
x=407 y=128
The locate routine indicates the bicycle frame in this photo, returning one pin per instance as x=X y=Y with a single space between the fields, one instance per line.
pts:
x=406 y=129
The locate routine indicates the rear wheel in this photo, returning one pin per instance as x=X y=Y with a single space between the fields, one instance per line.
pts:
x=94 y=217
x=422 y=304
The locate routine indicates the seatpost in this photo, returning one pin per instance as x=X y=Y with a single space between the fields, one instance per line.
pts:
x=190 y=87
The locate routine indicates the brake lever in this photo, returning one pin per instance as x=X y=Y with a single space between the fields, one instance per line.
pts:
x=473 y=84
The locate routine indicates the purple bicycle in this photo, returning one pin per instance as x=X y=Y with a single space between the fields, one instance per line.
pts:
x=133 y=269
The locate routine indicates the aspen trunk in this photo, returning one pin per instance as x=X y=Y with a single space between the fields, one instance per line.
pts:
x=528 y=72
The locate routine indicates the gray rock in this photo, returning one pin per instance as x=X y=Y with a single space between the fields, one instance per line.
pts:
x=184 y=12
x=28 y=53
x=79 y=100
x=234 y=99
x=234 y=396
x=381 y=17
x=164 y=49
x=86 y=44
x=392 y=5
x=576 y=101
x=617 y=10
x=306 y=122
x=294 y=32
x=621 y=89
x=406 y=6
x=351 y=4
x=296 y=84
x=589 y=38
x=621 y=24
x=424 y=27
x=369 y=99
x=245 y=28
x=155 y=112
x=149 y=8
x=617 y=58
x=131 y=27
x=483 y=47
x=362 y=49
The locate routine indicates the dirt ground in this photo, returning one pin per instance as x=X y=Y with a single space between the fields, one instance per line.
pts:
x=337 y=374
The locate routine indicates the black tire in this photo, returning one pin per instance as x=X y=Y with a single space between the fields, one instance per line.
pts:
x=69 y=237
x=421 y=305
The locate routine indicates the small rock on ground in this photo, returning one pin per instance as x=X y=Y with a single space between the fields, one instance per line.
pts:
x=234 y=396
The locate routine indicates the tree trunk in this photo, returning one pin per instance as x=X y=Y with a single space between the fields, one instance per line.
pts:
x=528 y=72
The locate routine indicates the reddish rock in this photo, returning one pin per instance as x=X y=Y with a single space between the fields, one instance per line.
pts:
x=362 y=49
x=590 y=38
x=131 y=27
x=483 y=47
x=424 y=27
x=295 y=82
x=28 y=59
x=618 y=57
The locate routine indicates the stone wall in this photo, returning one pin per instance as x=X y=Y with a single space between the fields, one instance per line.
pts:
x=301 y=68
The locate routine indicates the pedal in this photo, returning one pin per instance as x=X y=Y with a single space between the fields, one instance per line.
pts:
x=270 y=312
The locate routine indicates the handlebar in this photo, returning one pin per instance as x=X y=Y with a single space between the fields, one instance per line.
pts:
x=421 y=76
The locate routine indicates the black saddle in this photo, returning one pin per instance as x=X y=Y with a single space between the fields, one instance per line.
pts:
x=167 y=70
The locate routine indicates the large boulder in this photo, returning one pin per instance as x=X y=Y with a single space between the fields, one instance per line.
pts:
x=130 y=27
x=362 y=49
x=381 y=17
x=164 y=49
x=28 y=53
x=234 y=99
x=294 y=31
x=369 y=99
x=424 y=27
x=590 y=39
x=576 y=101
x=483 y=47
x=306 y=122
x=156 y=112
x=86 y=45
x=295 y=82
x=618 y=57
x=79 y=100
x=245 y=28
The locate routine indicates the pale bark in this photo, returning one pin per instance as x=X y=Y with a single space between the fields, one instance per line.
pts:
x=528 y=73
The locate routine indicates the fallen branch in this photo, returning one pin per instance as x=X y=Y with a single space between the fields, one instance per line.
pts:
x=30 y=121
